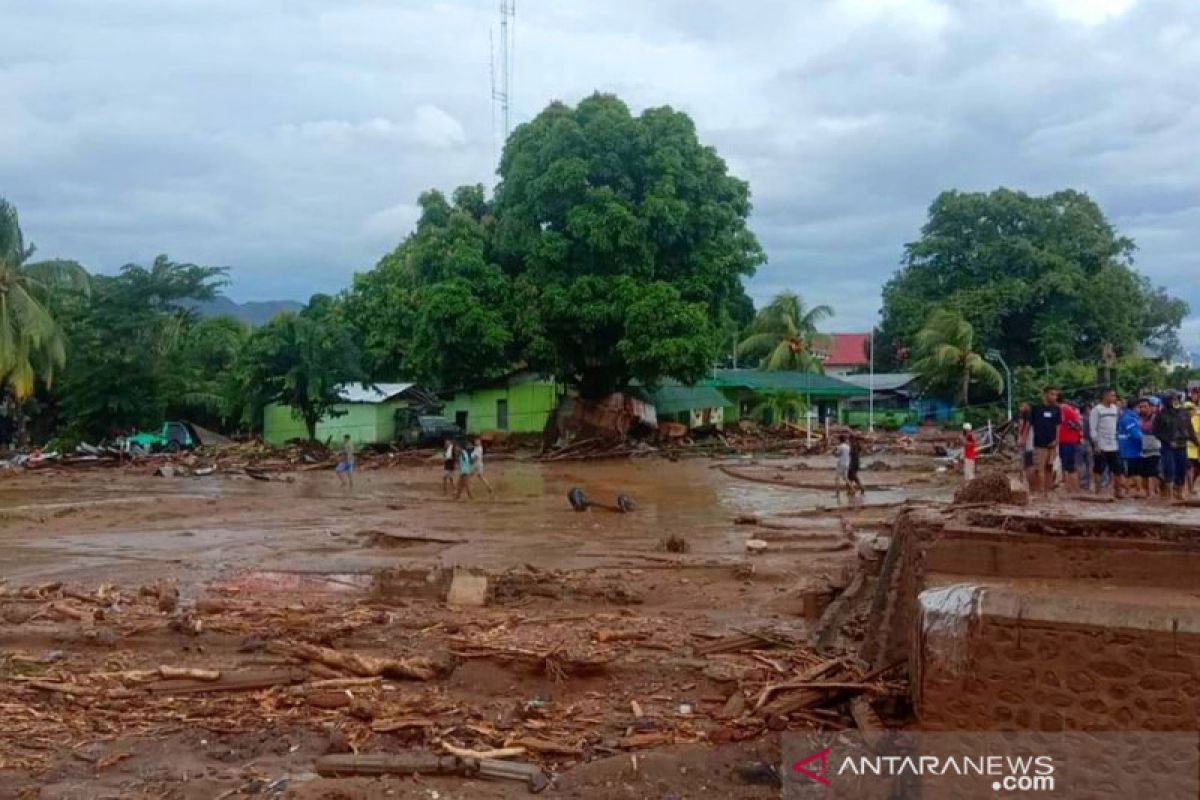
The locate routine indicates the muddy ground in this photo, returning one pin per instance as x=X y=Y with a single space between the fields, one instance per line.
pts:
x=585 y=654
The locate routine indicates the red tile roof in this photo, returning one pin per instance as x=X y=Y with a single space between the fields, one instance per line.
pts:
x=847 y=350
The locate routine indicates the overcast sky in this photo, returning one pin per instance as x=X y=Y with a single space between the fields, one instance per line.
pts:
x=289 y=139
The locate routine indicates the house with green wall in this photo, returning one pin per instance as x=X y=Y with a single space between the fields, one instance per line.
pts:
x=748 y=389
x=694 y=406
x=517 y=403
x=368 y=414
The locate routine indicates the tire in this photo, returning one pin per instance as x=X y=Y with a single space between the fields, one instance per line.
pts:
x=172 y=446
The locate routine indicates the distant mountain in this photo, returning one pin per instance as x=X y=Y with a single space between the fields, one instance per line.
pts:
x=255 y=312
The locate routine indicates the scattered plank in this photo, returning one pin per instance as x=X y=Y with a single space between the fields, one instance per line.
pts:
x=231 y=682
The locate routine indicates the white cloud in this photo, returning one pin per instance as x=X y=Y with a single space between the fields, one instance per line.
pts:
x=290 y=140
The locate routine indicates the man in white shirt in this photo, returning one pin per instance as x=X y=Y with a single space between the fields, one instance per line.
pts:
x=842 y=474
x=1102 y=426
x=477 y=464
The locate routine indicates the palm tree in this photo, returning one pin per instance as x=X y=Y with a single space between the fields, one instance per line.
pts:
x=945 y=355
x=32 y=345
x=783 y=333
x=779 y=407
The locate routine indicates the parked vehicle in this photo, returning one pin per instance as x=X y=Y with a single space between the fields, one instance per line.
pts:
x=429 y=431
x=173 y=437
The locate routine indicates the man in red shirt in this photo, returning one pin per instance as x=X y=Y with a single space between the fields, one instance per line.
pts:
x=1070 y=434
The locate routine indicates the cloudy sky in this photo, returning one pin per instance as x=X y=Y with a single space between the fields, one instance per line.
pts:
x=288 y=139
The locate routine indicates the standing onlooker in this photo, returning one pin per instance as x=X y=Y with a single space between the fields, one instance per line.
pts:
x=1150 y=465
x=1102 y=429
x=1045 y=421
x=1070 y=433
x=970 y=450
x=345 y=463
x=1129 y=444
x=1173 y=427
x=1193 y=448
x=1025 y=443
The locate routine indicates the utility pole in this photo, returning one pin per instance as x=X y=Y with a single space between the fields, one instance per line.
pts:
x=871 y=386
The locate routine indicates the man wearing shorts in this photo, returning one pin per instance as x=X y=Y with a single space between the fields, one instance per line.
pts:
x=842 y=469
x=1102 y=427
x=345 y=464
x=1070 y=434
x=1045 y=421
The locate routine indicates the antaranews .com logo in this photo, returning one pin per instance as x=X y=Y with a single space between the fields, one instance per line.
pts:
x=1006 y=773
x=990 y=765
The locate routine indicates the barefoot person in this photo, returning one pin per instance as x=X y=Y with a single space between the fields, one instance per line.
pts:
x=345 y=463
x=477 y=464
x=1045 y=421
x=1070 y=434
x=856 y=489
x=841 y=475
x=463 y=459
x=448 y=467
x=1102 y=428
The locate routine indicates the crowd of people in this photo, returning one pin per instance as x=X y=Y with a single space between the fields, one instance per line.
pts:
x=1146 y=446
x=462 y=463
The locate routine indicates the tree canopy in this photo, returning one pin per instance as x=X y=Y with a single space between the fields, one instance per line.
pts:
x=613 y=251
x=298 y=359
x=1042 y=279
x=783 y=335
x=946 y=355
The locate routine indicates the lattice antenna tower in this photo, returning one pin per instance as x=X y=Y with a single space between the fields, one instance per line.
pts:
x=502 y=78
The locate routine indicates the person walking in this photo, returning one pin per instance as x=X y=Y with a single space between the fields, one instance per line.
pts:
x=1173 y=428
x=463 y=460
x=1102 y=429
x=841 y=475
x=1070 y=434
x=448 y=467
x=970 y=451
x=1045 y=421
x=345 y=463
x=1129 y=444
x=857 y=490
x=477 y=464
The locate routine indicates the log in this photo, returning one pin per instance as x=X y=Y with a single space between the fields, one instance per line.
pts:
x=547 y=746
x=402 y=723
x=419 y=668
x=230 y=682
x=497 y=753
x=188 y=673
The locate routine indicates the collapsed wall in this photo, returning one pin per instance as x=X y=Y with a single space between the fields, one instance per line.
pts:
x=1014 y=619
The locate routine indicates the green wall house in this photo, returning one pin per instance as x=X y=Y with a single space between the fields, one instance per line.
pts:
x=693 y=406
x=746 y=389
x=369 y=415
x=517 y=403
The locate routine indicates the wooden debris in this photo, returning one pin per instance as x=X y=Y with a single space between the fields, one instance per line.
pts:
x=497 y=753
x=419 y=668
x=545 y=746
x=231 y=682
x=868 y=722
x=188 y=673
x=401 y=723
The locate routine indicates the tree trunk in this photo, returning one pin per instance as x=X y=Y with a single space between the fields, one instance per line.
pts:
x=966 y=387
x=21 y=433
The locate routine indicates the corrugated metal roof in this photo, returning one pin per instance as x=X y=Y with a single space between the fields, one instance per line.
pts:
x=883 y=381
x=783 y=380
x=371 y=392
x=673 y=399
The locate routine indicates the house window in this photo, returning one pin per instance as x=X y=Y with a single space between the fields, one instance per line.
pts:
x=502 y=415
x=460 y=420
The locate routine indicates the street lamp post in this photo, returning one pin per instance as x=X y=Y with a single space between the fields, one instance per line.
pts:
x=994 y=355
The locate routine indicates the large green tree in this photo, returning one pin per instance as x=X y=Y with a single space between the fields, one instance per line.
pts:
x=1042 y=279
x=783 y=334
x=946 y=355
x=32 y=345
x=600 y=213
x=298 y=359
x=126 y=341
